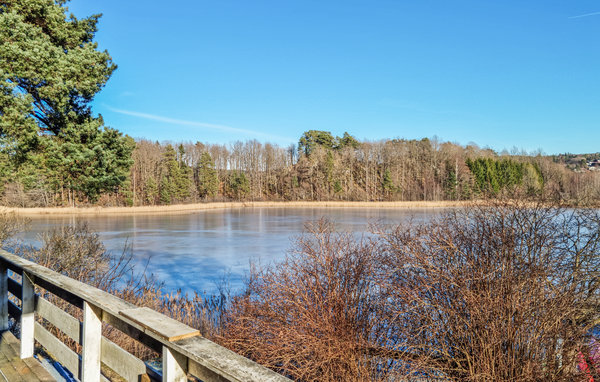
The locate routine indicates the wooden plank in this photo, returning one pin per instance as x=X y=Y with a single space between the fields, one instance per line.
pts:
x=16 y=368
x=27 y=316
x=59 y=318
x=59 y=291
x=122 y=362
x=36 y=367
x=132 y=331
x=38 y=373
x=223 y=362
x=174 y=366
x=4 y=322
x=91 y=343
x=10 y=373
x=61 y=352
x=204 y=374
x=166 y=327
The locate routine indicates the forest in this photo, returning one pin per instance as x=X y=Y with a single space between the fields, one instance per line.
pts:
x=321 y=167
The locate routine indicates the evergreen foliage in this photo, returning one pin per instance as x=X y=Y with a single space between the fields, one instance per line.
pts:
x=492 y=176
x=208 y=180
x=49 y=73
x=314 y=138
x=238 y=185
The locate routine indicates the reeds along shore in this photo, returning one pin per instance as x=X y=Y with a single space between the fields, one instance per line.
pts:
x=189 y=208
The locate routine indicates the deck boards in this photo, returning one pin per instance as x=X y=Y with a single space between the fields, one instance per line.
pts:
x=12 y=368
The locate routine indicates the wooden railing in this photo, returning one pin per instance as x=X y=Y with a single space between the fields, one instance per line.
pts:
x=184 y=351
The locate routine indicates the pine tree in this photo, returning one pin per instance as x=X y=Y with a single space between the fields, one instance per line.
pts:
x=165 y=191
x=239 y=185
x=50 y=71
x=208 y=181
x=151 y=191
x=387 y=184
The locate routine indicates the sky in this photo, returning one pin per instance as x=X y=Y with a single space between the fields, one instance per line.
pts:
x=501 y=74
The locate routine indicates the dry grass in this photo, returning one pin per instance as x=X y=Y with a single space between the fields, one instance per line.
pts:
x=190 y=208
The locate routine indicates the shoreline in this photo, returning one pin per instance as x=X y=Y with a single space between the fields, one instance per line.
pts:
x=191 y=208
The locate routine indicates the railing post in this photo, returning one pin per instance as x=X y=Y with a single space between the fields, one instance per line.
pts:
x=3 y=296
x=91 y=342
x=27 y=315
x=174 y=366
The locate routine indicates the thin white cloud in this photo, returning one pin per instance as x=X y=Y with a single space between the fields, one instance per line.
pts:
x=211 y=126
x=585 y=15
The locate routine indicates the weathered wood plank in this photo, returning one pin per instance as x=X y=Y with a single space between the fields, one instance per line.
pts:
x=133 y=331
x=67 y=357
x=27 y=316
x=174 y=366
x=16 y=369
x=122 y=362
x=223 y=362
x=36 y=371
x=39 y=371
x=165 y=327
x=4 y=322
x=91 y=343
x=204 y=374
x=59 y=318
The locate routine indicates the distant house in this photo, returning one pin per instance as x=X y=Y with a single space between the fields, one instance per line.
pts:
x=594 y=165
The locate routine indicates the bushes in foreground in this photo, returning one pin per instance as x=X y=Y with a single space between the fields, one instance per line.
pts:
x=502 y=293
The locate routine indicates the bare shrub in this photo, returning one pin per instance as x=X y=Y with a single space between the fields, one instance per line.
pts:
x=315 y=316
x=507 y=292
x=10 y=225
x=502 y=293
x=77 y=252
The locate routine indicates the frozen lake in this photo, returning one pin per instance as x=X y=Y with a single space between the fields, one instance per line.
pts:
x=193 y=251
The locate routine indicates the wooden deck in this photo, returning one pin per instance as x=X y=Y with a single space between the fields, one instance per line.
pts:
x=15 y=369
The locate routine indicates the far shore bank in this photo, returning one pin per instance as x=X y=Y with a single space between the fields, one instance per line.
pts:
x=190 y=208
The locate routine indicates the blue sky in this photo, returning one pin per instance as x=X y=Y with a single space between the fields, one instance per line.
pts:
x=501 y=74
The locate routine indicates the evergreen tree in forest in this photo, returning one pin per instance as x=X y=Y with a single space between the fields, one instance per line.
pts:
x=451 y=184
x=238 y=185
x=165 y=191
x=151 y=191
x=492 y=176
x=49 y=73
x=387 y=184
x=313 y=138
x=208 y=181
x=346 y=140
x=177 y=175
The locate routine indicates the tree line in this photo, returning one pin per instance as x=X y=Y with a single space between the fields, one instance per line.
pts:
x=320 y=167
